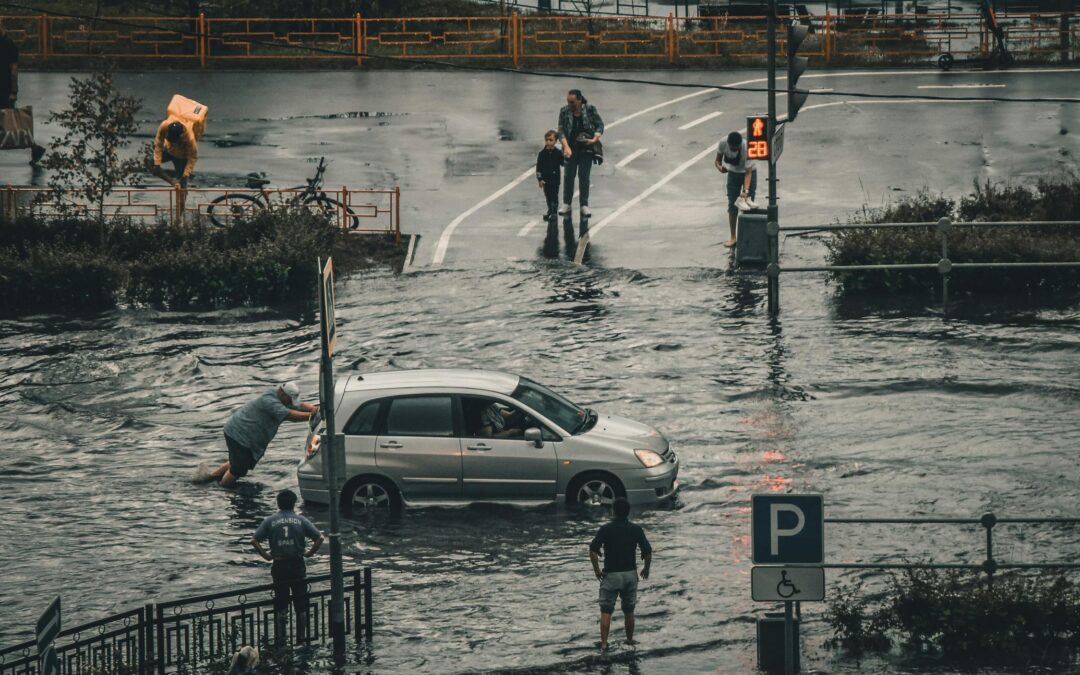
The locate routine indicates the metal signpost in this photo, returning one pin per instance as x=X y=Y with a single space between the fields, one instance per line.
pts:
x=784 y=530
x=328 y=334
x=48 y=627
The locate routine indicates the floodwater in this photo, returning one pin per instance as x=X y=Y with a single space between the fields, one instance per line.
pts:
x=897 y=414
x=887 y=408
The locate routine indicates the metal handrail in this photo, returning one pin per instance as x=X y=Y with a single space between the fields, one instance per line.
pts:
x=989 y=565
x=944 y=265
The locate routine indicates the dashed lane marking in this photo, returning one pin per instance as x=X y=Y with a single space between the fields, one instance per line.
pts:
x=700 y=120
x=962 y=86
x=631 y=157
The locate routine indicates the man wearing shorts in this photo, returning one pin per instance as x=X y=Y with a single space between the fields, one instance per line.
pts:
x=731 y=158
x=287 y=533
x=250 y=429
x=619 y=578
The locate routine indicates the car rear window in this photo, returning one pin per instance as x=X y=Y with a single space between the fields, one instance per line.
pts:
x=362 y=423
x=420 y=416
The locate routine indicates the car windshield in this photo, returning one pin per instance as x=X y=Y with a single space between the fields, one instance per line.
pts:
x=551 y=405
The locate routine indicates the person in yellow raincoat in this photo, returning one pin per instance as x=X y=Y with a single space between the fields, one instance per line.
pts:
x=175 y=142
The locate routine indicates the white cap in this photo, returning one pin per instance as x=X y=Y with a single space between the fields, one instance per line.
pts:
x=291 y=390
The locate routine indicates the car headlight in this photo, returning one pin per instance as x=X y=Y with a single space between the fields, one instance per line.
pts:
x=313 y=445
x=649 y=458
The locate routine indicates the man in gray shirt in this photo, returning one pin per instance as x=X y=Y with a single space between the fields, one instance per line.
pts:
x=288 y=533
x=250 y=429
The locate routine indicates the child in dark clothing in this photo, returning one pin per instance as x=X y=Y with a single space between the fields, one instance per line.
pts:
x=548 y=171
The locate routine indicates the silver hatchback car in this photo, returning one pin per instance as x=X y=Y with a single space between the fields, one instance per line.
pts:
x=471 y=435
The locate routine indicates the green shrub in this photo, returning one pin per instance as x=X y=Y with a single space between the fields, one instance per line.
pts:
x=269 y=258
x=1047 y=200
x=957 y=615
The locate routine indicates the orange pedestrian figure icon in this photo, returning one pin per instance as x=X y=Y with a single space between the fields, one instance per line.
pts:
x=759 y=127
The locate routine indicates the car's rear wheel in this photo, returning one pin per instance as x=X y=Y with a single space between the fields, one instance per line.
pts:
x=595 y=489
x=369 y=495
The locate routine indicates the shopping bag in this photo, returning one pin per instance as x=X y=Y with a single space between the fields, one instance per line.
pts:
x=16 y=128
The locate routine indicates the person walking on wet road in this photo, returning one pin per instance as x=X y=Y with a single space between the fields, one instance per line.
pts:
x=9 y=83
x=288 y=533
x=549 y=163
x=580 y=129
x=250 y=429
x=619 y=578
x=741 y=178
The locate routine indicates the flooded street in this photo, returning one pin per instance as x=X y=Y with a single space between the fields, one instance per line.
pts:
x=888 y=409
x=885 y=415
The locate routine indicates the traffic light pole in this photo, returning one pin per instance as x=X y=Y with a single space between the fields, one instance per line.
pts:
x=773 y=212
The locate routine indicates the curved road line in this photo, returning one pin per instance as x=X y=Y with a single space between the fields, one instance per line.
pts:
x=448 y=232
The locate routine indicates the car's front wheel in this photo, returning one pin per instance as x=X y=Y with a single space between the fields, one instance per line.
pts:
x=369 y=495
x=597 y=489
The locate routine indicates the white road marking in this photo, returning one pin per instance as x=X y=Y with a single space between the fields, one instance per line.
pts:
x=410 y=253
x=700 y=120
x=527 y=227
x=962 y=86
x=629 y=158
x=643 y=195
x=444 y=240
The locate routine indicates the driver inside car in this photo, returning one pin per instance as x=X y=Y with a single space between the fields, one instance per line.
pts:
x=498 y=421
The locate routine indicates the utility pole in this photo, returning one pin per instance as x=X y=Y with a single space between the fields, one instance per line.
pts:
x=772 y=225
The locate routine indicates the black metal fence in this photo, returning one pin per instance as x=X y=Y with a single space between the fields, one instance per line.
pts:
x=182 y=635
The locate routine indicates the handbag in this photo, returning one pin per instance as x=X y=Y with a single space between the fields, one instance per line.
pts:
x=16 y=128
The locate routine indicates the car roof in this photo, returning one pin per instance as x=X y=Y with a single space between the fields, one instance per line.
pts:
x=487 y=380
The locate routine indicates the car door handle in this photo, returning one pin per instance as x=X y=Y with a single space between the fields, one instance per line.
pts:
x=479 y=447
x=392 y=445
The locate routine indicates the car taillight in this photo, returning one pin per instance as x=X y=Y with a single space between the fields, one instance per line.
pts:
x=313 y=445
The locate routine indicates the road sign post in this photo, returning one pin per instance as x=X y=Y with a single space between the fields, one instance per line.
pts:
x=328 y=335
x=48 y=627
x=787 y=529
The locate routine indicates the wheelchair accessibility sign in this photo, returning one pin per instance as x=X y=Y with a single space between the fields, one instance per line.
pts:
x=787 y=584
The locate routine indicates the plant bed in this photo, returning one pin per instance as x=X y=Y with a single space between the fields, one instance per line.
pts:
x=957 y=617
x=1047 y=200
x=63 y=264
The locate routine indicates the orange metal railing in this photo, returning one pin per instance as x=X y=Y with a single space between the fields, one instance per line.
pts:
x=355 y=210
x=517 y=38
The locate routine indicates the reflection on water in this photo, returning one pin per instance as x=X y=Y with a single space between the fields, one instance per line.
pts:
x=889 y=412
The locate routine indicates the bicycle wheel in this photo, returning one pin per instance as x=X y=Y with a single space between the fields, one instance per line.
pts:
x=331 y=208
x=232 y=205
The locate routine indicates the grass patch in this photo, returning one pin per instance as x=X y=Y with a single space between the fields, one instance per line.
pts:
x=1048 y=199
x=1019 y=619
x=62 y=264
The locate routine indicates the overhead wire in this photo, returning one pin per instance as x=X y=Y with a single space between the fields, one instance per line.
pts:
x=536 y=73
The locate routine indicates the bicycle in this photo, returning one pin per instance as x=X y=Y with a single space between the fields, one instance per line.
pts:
x=235 y=204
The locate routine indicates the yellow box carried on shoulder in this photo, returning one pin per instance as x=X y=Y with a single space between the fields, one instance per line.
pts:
x=191 y=113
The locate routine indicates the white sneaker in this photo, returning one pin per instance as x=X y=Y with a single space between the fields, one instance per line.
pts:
x=564 y=209
x=585 y=212
x=752 y=204
x=742 y=204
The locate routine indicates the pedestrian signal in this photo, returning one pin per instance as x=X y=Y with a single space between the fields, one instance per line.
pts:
x=757 y=137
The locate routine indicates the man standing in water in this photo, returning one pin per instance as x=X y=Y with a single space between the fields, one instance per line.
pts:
x=287 y=533
x=619 y=578
x=250 y=429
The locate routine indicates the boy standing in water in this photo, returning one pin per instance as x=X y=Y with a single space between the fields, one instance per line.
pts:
x=548 y=172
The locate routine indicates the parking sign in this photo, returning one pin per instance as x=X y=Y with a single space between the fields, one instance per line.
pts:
x=787 y=529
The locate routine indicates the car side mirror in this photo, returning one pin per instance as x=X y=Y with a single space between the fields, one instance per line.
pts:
x=534 y=436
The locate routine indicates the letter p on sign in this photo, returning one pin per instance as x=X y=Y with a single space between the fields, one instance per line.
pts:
x=787 y=529
x=775 y=531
